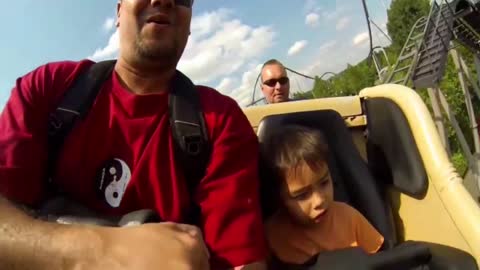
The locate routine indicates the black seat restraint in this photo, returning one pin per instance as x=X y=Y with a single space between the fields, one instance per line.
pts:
x=192 y=147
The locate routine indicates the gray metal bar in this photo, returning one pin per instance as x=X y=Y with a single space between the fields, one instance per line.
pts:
x=468 y=99
x=456 y=127
x=438 y=118
x=477 y=66
x=472 y=81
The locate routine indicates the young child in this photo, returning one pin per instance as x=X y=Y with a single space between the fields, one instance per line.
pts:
x=309 y=220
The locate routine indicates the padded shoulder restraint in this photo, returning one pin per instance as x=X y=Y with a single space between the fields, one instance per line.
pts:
x=192 y=149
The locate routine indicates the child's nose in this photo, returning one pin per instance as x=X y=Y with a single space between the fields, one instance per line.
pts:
x=318 y=200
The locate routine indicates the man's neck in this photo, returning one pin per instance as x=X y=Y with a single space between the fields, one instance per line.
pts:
x=144 y=80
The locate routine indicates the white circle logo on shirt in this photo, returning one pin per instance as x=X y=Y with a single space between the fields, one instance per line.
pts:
x=112 y=181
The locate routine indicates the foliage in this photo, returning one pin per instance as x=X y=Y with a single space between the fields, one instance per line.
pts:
x=460 y=163
x=303 y=95
x=401 y=17
x=348 y=83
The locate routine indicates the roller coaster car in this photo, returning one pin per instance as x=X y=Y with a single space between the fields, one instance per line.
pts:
x=388 y=162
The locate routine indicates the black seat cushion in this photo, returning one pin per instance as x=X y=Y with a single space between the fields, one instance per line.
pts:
x=352 y=179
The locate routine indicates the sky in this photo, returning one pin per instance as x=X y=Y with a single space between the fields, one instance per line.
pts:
x=230 y=39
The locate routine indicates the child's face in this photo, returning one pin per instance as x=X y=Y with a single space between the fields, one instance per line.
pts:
x=308 y=192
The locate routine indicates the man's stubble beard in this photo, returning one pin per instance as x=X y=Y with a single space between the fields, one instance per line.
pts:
x=160 y=53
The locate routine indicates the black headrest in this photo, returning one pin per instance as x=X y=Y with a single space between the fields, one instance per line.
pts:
x=392 y=151
x=353 y=181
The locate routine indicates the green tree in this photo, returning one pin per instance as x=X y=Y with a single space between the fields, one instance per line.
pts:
x=303 y=95
x=402 y=15
x=347 y=83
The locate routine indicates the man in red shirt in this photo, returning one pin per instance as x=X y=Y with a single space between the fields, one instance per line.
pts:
x=125 y=140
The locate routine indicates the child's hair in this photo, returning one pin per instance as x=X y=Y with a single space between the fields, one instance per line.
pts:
x=292 y=145
x=282 y=151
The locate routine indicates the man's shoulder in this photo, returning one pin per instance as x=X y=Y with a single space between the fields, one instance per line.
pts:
x=54 y=75
x=208 y=92
x=224 y=115
x=212 y=99
x=64 y=67
x=50 y=80
x=68 y=63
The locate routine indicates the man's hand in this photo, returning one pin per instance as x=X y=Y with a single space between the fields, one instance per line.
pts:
x=27 y=243
x=150 y=246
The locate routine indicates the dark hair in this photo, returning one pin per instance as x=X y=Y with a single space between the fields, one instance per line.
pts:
x=286 y=149
x=289 y=147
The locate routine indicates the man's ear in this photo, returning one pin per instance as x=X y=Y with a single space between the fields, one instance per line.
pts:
x=119 y=5
x=262 y=87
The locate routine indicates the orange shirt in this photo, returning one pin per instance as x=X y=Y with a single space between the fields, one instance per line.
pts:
x=342 y=227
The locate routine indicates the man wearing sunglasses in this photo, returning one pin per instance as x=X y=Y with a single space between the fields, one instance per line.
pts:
x=275 y=82
x=128 y=125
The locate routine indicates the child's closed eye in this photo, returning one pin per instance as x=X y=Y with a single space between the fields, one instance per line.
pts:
x=325 y=183
x=302 y=195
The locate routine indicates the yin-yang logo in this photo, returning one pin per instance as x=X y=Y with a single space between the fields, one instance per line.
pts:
x=112 y=181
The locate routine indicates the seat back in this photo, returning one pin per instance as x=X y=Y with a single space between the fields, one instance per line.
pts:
x=352 y=180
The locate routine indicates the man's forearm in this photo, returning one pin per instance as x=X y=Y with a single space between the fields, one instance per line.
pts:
x=27 y=243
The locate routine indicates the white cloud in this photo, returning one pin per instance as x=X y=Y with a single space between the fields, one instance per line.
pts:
x=360 y=38
x=327 y=46
x=108 y=52
x=221 y=45
x=297 y=47
x=109 y=24
x=241 y=88
x=335 y=60
x=332 y=14
x=342 y=23
x=225 y=52
x=312 y=19
x=310 y=5
x=226 y=85
x=335 y=55
x=317 y=14
x=327 y=59
x=244 y=93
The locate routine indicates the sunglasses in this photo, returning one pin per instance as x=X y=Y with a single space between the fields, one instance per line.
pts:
x=273 y=82
x=185 y=3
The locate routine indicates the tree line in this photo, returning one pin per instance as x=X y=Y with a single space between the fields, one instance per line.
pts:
x=402 y=14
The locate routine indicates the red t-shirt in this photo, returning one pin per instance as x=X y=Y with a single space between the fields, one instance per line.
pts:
x=120 y=159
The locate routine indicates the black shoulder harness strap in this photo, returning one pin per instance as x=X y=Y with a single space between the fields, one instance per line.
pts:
x=189 y=130
x=192 y=148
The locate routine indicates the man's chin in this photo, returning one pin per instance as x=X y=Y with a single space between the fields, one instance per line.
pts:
x=163 y=54
x=280 y=99
x=157 y=49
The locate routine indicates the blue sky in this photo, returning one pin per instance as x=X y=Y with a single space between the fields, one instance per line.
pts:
x=229 y=41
